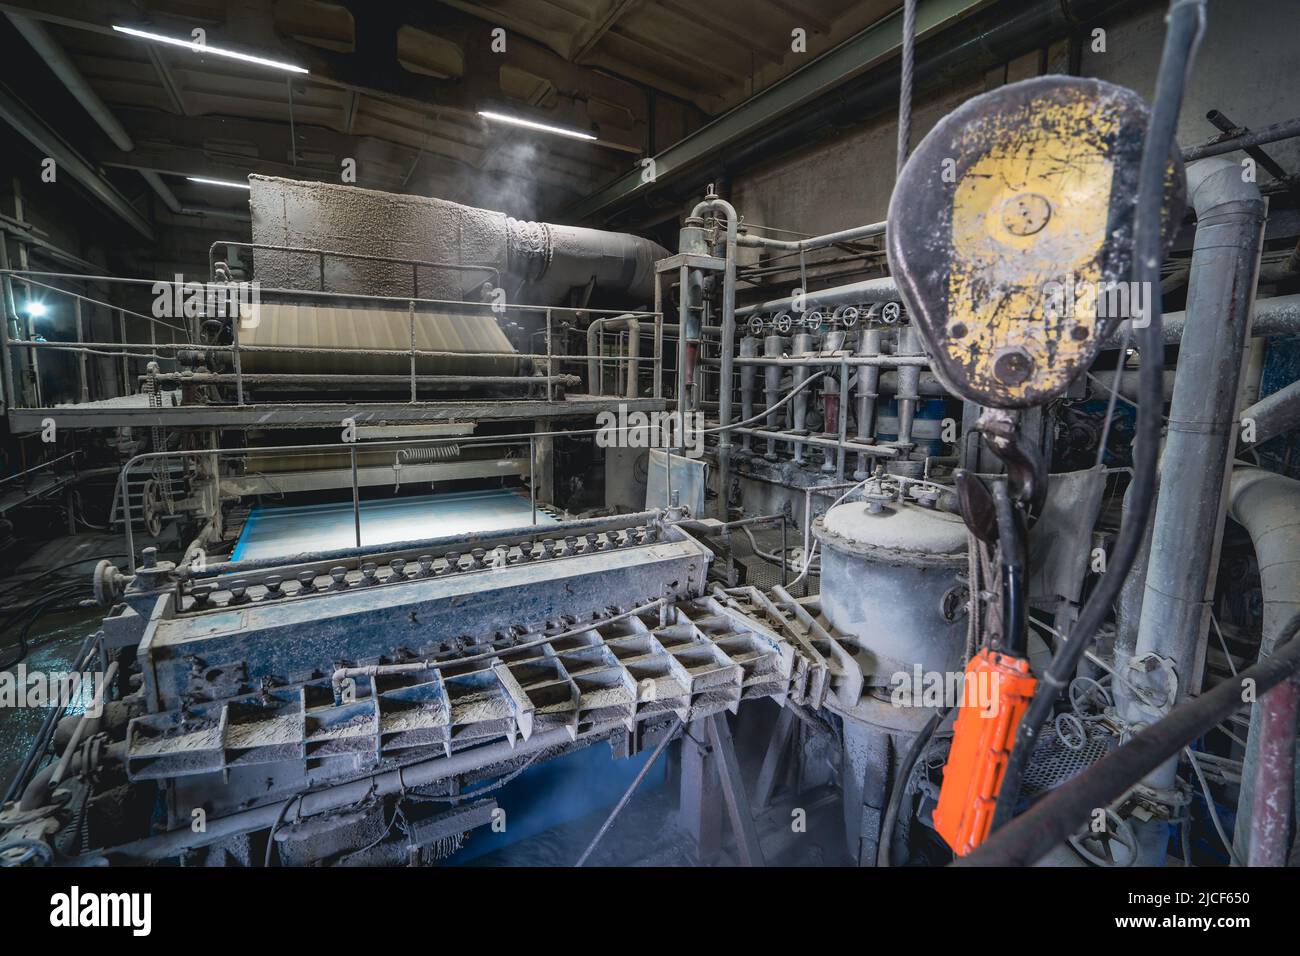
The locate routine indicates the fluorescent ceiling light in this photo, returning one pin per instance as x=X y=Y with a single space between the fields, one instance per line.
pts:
x=35 y=310
x=529 y=124
x=208 y=48
x=218 y=182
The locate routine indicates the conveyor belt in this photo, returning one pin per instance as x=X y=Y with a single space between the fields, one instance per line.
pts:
x=278 y=530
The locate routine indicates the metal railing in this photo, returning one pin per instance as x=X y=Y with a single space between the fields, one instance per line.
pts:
x=22 y=362
x=122 y=497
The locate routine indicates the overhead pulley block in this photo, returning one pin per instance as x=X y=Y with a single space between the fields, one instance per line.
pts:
x=1011 y=235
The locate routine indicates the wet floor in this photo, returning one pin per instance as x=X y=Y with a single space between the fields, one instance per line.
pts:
x=53 y=638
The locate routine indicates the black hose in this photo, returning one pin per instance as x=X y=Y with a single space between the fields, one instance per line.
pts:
x=900 y=785
x=31 y=612
x=1065 y=809
x=1011 y=557
x=69 y=564
x=1186 y=23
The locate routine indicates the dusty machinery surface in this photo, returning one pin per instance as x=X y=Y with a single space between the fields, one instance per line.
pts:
x=383 y=566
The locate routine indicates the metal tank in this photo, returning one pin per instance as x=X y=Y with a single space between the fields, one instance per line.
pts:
x=889 y=579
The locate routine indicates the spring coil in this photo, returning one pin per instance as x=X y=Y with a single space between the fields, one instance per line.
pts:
x=428 y=453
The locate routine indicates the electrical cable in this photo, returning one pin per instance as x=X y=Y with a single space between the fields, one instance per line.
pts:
x=279 y=819
x=767 y=411
x=30 y=613
x=1209 y=803
x=69 y=564
x=1110 y=403
x=1186 y=24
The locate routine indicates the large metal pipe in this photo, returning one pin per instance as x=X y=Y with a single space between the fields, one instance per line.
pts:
x=1277 y=315
x=869 y=290
x=557 y=258
x=1273 y=414
x=815 y=242
x=1267 y=505
x=1202 y=429
x=545 y=260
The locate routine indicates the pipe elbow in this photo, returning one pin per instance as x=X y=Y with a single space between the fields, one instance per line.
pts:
x=1216 y=182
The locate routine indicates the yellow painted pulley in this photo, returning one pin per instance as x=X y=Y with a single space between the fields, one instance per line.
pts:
x=1011 y=234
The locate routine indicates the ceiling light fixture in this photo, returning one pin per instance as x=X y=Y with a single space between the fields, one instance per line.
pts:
x=231 y=184
x=208 y=48
x=530 y=124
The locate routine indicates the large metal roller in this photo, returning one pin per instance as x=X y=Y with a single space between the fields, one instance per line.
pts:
x=486 y=349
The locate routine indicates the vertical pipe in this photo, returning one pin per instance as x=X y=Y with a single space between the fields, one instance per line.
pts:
x=126 y=368
x=549 y=394
x=234 y=351
x=356 y=497
x=595 y=373
x=1267 y=505
x=832 y=404
x=10 y=308
x=772 y=387
x=909 y=378
x=844 y=417
x=1202 y=432
x=868 y=392
x=748 y=349
x=633 y=364
x=1270 y=818
x=659 y=337
x=803 y=344
x=82 y=379
x=411 y=310
x=683 y=322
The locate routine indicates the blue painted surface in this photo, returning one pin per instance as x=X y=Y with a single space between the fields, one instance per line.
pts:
x=887 y=422
x=558 y=791
x=278 y=530
x=1281 y=368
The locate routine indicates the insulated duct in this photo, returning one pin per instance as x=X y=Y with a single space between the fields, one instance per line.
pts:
x=1267 y=505
x=1202 y=429
x=536 y=262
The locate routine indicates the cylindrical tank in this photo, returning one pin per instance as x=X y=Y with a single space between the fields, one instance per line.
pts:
x=889 y=579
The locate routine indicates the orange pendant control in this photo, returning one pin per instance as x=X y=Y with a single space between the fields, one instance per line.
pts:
x=995 y=695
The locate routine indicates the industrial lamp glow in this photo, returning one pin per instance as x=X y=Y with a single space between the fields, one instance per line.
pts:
x=230 y=183
x=530 y=124
x=35 y=309
x=207 y=48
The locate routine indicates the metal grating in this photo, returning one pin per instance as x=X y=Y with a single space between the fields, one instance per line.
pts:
x=1053 y=763
x=701 y=658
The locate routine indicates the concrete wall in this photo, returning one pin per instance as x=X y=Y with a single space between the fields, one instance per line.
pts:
x=1248 y=67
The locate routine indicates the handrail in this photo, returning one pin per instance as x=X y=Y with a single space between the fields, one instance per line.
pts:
x=169 y=351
